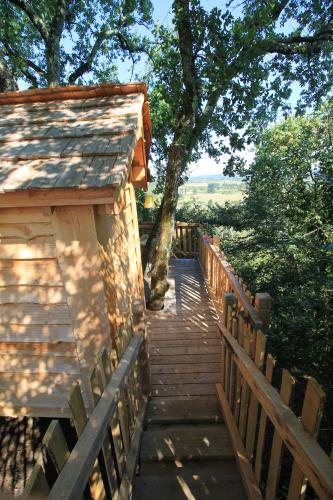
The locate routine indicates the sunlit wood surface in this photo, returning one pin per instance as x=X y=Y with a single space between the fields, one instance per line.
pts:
x=185 y=449
x=184 y=343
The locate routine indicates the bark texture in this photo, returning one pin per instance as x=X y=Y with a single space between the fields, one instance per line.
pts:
x=7 y=78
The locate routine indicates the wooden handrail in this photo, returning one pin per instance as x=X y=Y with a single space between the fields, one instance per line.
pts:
x=185 y=238
x=72 y=480
x=237 y=289
x=310 y=457
x=221 y=279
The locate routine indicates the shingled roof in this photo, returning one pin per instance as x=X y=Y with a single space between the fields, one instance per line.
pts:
x=76 y=137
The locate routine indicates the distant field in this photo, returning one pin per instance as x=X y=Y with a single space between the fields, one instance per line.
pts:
x=229 y=190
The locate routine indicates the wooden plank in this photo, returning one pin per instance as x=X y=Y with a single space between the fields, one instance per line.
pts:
x=31 y=215
x=286 y=391
x=245 y=390
x=183 y=390
x=176 y=351
x=186 y=378
x=249 y=481
x=57 y=197
x=312 y=411
x=316 y=465
x=126 y=486
x=35 y=393
x=186 y=442
x=111 y=452
x=158 y=343
x=23 y=314
x=32 y=294
x=30 y=272
x=40 y=248
x=24 y=232
x=253 y=406
x=185 y=358
x=55 y=444
x=80 y=420
x=36 y=333
x=36 y=485
x=183 y=410
x=80 y=263
x=181 y=368
x=27 y=364
x=71 y=481
x=270 y=363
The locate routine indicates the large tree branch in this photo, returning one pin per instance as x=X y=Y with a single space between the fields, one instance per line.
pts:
x=58 y=20
x=37 y=21
x=87 y=64
x=303 y=45
x=23 y=61
x=186 y=49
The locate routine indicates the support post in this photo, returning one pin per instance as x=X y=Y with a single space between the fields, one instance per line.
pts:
x=229 y=300
x=263 y=305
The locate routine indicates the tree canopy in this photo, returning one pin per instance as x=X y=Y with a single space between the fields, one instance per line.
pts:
x=218 y=77
x=52 y=42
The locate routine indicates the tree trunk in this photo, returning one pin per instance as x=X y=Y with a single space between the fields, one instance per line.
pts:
x=7 y=79
x=159 y=282
x=52 y=53
x=152 y=235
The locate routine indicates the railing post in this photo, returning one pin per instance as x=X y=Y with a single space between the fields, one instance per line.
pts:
x=216 y=242
x=263 y=304
x=229 y=301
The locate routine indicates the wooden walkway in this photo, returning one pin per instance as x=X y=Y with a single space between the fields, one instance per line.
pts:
x=185 y=449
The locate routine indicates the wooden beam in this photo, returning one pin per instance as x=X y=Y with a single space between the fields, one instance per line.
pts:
x=252 y=490
x=57 y=197
x=312 y=459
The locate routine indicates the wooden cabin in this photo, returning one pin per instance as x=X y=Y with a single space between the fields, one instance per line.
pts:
x=70 y=263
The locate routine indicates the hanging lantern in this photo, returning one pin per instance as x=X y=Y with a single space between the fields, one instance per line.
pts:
x=149 y=200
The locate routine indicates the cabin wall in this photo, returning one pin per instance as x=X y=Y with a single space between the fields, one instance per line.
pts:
x=38 y=348
x=118 y=235
x=53 y=314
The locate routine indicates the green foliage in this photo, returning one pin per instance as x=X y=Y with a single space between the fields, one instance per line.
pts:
x=59 y=41
x=280 y=239
x=236 y=73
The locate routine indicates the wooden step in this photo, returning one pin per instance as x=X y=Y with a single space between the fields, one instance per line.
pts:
x=200 y=480
x=187 y=410
x=186 y=442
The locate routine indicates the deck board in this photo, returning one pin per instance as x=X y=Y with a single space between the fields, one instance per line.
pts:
x=184 y=336
x=185 y=448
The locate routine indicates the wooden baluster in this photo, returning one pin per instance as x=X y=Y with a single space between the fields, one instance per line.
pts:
x=36 y=486
x=270 y=363
x=55 y=444
x=239 y=378
x=259 y=358
x=189 y=240
x=245 y=394
x=286 y=391
x=185 y=239
x=263 y=305
x=312 y=412
x=233 y=368
x=230 y=302
x=112 y=453
x=106 y=373
x=80 y=419
x=223 y=354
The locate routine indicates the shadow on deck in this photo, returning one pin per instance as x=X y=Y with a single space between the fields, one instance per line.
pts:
x=185 y=450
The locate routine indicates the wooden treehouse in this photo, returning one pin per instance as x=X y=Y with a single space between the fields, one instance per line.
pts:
x=70 y=263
